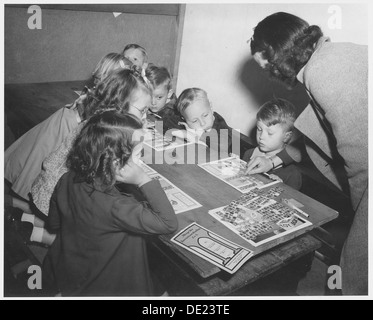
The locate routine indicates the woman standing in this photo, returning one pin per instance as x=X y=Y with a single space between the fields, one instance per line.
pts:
x=335 y=122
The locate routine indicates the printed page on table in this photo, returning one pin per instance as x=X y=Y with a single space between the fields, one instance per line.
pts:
x=210 y=246
x=232 y=171
x=258 y=218
x=159 y=142
x=149 y=171
x=179 y=200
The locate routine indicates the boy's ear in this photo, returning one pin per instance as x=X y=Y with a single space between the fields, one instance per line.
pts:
x=170 y=93
x=288 y=136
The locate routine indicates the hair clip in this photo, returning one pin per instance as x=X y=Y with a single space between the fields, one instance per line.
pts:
x=146 y=80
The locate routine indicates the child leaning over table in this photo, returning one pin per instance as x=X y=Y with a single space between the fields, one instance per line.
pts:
x=163 y=97
x=124 y=90
x=274 y=128
x=198 y=118
x=100 y=247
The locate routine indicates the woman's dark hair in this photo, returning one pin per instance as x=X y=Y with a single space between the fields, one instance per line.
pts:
x=287 y=42
x=106 y=137
x=112 y=92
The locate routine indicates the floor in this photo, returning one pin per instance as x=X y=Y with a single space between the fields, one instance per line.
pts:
x=314 y=284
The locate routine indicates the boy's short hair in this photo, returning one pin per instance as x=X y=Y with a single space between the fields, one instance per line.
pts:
x=188 y=96
x=136 y=46
x=277 y=111
x=158 y=75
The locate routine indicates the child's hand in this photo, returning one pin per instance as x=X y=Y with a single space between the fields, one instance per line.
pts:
x=259 y=165
x=274 y=177
x=193 y=134
x=132 y=173
x=184 y=134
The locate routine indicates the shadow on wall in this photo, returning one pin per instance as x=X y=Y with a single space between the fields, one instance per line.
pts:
x=262 y=89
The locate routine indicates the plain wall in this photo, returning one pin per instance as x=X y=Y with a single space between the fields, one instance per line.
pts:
x=215 y=54
x=71 y=43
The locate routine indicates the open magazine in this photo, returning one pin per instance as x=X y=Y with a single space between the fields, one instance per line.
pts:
x=232 y=171
x=258 y=218
x=179 y=200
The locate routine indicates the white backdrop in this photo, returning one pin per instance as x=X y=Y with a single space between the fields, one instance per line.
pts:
x=215 y=55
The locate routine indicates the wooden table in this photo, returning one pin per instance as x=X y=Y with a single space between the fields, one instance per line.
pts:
x=199 y=277
x=28 y=104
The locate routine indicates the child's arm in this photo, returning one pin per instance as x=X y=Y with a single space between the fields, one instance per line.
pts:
x=154 y=217
x=292 y=153
x=158 y=218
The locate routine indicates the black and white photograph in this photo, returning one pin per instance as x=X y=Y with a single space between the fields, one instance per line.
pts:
x=282 y=87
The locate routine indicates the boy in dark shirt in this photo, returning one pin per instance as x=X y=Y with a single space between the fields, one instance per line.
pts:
x=275 y=123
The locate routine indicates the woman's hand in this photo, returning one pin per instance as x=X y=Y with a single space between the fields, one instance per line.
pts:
x=132 y=173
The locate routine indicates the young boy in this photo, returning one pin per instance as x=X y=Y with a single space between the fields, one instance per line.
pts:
x=275 y=123
x=199 y=120
x=163 y=97
x=137 y=55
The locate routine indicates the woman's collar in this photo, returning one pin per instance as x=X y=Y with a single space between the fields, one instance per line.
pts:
x=318 y=45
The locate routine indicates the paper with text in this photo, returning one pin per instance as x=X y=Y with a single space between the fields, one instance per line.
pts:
x=258 y=218
x=210 y=246
x=179 y=200
x=232 y=171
